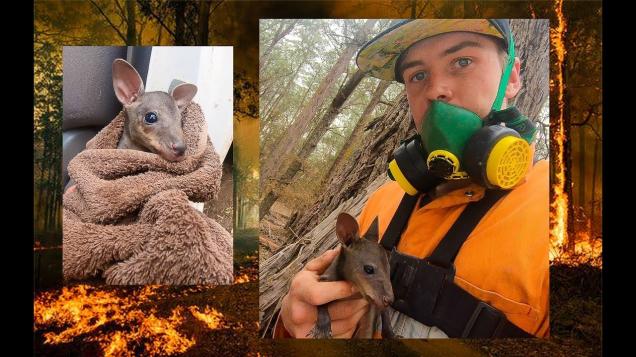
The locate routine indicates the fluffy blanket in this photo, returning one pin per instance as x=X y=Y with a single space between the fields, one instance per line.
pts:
x=130 y=220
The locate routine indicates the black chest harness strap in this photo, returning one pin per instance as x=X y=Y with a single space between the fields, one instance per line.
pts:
x=424 y=289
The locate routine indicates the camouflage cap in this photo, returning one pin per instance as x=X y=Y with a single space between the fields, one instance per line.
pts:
x=380 y=55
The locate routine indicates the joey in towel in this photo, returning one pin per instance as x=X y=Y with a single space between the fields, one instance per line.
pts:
x=364 y=263
x=153 y=119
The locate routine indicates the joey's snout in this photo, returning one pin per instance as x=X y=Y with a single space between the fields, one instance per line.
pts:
x=387 y=300
x=178 y=148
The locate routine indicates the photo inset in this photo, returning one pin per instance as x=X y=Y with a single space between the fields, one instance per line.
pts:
x=404 y=178
x=147 y=165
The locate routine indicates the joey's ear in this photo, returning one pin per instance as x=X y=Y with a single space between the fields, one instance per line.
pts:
x=346 y=228
x=126 y=82
x=183 y=94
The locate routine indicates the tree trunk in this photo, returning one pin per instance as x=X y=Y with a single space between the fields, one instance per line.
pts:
x=179 y=12
x=44 y=160
x=294 y=133
x=47 y=196
x=582 y=176
x=594 y=168
x=41 y=181
x=310 y=144
x=131 y=29
x=352 y=141
x=532 y=47
x=204 y=10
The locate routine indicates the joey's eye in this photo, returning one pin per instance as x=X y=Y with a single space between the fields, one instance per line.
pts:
x=368 y=269
x=151 y=118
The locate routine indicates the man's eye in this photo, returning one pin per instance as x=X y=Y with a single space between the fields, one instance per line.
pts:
x=463 y=62
x=419 y=76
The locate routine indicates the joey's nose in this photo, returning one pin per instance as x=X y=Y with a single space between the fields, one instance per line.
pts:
x=387 y=300
x=178 y=148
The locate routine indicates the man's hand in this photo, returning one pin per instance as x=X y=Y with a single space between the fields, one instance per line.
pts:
x=299 y=311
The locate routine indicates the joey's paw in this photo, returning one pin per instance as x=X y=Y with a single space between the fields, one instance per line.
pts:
x=320 y=331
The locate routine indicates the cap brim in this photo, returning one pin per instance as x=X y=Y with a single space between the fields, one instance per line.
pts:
x=379 y=55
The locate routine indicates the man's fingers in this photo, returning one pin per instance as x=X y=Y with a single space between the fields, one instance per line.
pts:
x=323 y=292
x=320 y=264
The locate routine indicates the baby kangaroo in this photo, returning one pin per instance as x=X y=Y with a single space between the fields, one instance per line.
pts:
x=364 y=263
x=153 y=119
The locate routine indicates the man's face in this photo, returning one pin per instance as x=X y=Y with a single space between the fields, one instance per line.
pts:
x=460 y=68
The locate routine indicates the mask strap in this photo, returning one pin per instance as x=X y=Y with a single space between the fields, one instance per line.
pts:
x=505 y=76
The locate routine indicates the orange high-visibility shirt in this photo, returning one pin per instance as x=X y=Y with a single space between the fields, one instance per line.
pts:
x=504 y=261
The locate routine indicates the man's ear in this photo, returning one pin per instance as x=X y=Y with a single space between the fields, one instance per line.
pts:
x=514 y=82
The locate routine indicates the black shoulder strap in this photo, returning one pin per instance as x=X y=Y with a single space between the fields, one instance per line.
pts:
x=424 y=288
x=447 y=249
x=393 y=232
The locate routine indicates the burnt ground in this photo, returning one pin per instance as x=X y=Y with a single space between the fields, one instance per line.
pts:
x=238 y=303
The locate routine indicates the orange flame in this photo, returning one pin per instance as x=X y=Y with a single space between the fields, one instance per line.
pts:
x=242 y=279
x=124 y=325
x=587 y=250
x=118 y=345
x=211 y=317
x=587 y=247
x=84 y=309
x=167 y=340
x=559 y=205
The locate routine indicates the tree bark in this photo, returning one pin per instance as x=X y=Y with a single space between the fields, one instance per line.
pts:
x=131 y=25
x=179 y=12
x=582 y=176
x=594 y=168
x=532 y=47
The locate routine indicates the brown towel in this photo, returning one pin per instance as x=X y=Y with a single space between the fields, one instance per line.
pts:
x=129 y=218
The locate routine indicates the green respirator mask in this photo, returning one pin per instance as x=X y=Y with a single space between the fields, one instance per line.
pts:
x=455 y=143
